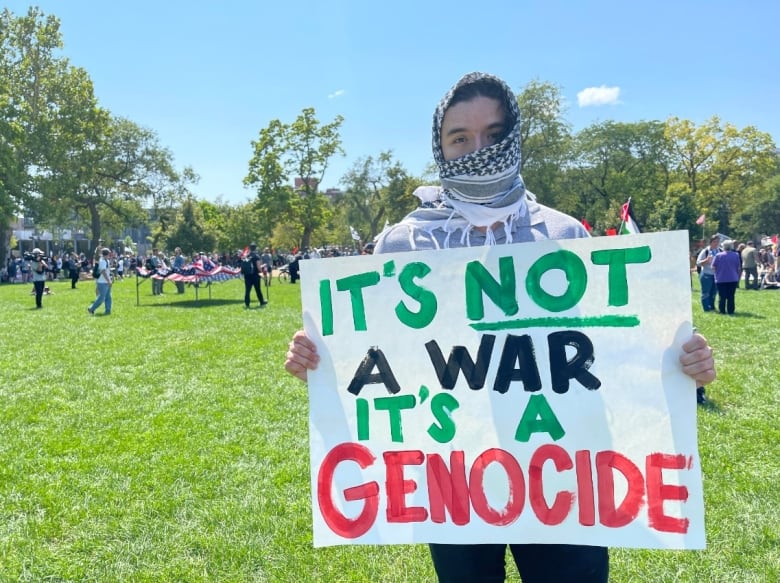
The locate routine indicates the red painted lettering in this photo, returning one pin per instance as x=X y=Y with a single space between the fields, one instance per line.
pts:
x=338 y=523
x=657 y=492
x=564 y=500
x=516 y=498
x=398 y=488
x=586 y=504
x=609 y=513
x=448 y=488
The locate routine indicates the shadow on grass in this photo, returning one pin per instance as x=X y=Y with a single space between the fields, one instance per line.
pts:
x=195 y=304
x=738 y=314
x=711 y=407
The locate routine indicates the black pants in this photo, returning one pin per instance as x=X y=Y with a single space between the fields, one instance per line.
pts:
x=536 y=563
x=39 y=285
x=74 y=277
x=252 y=281
x=751 y=273
x=726 y=293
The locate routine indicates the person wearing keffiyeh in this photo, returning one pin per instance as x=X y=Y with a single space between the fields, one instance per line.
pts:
x=482 y=200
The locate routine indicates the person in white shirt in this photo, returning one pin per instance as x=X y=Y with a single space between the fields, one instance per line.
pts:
x=38 y=268
x=104 y=283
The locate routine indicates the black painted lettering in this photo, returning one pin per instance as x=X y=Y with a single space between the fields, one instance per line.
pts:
x=365 y=375
x=562 y=369
x=460 y=360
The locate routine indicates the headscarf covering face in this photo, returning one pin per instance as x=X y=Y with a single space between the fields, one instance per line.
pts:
x=488 y=174
x=479 y=190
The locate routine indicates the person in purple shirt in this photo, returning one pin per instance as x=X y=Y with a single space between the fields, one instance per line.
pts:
x=727 y=266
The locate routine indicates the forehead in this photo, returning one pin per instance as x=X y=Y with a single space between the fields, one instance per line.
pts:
x=473 y=114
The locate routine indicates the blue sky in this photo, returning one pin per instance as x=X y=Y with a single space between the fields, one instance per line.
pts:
x=207 y=76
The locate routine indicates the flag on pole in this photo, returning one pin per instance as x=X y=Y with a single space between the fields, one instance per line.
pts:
x=245 y=252
x=586 y=224
x=354 y=233
x=628 y=226
x=700 y=220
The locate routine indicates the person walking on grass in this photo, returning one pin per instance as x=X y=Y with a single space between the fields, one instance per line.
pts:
x=38 y=268
x=74 y=269
x=250 y=268
x=104 y=283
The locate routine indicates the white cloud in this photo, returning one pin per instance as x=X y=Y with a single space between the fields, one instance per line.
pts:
x=598 y=96
x=336 y=94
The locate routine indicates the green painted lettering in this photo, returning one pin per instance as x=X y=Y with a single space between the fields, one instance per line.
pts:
x=423 y=296
x=326 y=307
x=361 y=406
x=538 y=417
x=442 y=406
x=394 y=406
x=617 y=260
x=576 y=277
x=503 y=294
x=354 y=284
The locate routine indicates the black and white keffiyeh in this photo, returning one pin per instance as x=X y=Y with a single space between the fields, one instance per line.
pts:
x=480 y=189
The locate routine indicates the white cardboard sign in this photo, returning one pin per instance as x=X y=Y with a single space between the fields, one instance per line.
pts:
x=526 y=393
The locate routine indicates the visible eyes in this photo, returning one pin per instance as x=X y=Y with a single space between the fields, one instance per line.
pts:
x=488 y=139
x=495 y=137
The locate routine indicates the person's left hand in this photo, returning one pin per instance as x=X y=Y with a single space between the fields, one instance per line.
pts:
x=697 y=361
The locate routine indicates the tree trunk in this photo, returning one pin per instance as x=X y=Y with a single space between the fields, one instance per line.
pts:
x=306 y=237
x=95 y=223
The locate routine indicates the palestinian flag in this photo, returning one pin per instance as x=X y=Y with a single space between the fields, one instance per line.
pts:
x=628 y=225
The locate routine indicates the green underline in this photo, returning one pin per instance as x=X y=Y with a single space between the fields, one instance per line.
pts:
x=594 y=321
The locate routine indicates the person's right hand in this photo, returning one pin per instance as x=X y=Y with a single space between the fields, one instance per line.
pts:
x=302 y=356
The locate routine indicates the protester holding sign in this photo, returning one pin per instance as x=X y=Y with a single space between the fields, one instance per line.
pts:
x=483 y=201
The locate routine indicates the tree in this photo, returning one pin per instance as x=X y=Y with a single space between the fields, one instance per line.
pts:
x=239 y=226
x=760 y=212
x=65 y=160
x=189 y=232
x=31 y=91
x=719 y=163
x=610 y=162
x=544 y=138
x=283 y=151
x=375 y=192
x=116 y=171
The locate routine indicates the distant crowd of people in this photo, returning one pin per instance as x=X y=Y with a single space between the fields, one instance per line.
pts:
x=70 y=265
x=724 y=263
x=108 y=266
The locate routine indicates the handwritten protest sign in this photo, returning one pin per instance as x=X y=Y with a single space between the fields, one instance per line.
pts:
x=514 y=394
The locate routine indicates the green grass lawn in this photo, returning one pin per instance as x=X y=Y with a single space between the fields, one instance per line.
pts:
x=166 y=443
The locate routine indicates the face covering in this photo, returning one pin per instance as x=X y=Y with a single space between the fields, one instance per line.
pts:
x=482 y=188
x=483 y=176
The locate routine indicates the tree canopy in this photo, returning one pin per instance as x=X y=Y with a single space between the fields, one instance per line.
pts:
x=67 y=162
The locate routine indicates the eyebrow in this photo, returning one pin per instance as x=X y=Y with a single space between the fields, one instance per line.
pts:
x=497 y=125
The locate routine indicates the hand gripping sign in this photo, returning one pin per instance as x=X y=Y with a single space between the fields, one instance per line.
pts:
x=526 y=393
